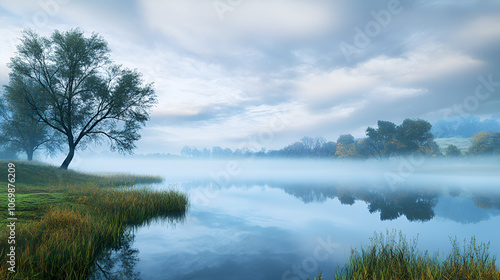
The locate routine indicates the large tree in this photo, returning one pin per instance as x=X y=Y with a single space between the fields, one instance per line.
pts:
x=409 y=137
x=415 y=135
x=86 y=96
x=382 y=139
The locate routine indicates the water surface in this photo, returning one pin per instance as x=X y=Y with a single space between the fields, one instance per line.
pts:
x=277 y=219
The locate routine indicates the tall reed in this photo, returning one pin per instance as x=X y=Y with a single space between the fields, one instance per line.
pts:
x=391 y=256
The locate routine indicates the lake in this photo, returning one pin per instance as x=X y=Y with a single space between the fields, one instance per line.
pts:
x=289 y=219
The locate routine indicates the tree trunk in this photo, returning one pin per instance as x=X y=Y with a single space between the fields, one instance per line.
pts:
x=29 y=153
x=69 y=157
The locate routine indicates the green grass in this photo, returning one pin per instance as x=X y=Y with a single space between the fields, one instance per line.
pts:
x=66 y=218
x=391 y=256
x=30 y=205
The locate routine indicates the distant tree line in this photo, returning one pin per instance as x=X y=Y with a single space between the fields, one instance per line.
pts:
x=485 y=143
x=482 y=143
x=464 y=126
x=385 y=141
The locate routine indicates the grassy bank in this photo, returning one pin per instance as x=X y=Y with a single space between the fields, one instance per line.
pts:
x=66 y=218
x=392 y=256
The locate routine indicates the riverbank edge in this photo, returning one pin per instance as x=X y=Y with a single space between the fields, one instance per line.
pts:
x=62 y=219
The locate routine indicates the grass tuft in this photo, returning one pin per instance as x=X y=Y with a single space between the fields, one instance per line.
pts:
x=391 y=256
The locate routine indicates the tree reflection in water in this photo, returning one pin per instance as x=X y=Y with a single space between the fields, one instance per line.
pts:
x=415 y=205
x=118 y=261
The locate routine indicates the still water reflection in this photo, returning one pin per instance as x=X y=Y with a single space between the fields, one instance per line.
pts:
x=119 y=261
x=290 y=228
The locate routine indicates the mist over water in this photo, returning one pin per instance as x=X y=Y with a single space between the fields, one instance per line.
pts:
x=317 y=170
x=263 y=218
x=406 y=173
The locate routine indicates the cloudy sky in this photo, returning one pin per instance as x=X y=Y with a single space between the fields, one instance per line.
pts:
x=257 y=73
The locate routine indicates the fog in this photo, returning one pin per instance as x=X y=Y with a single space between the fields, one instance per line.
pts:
x=401 y=172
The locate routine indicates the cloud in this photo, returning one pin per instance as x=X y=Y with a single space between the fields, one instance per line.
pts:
x=297 y=20
x=420 y=65
x=197 y=27
x=391 y=93
x=223 y=81
x=389 y=78
x=335 y=86
x=8 y=42
x=479 y=32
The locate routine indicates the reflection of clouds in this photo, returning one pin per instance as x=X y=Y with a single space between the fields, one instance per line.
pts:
x=266 y=206
x=466 y=210
x=213 y=244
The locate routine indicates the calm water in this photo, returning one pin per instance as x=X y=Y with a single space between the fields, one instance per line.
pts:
x=277 y=219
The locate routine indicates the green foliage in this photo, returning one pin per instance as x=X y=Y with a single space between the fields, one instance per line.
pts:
x=346 y=139
x=346 y=147
x=409 y=137
x=79 y=92
x=485 y=143
x=453 y=150
x=414 y=135
x=346 y=151
x=41 y=176
x=392 y=256
x=364 y=149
